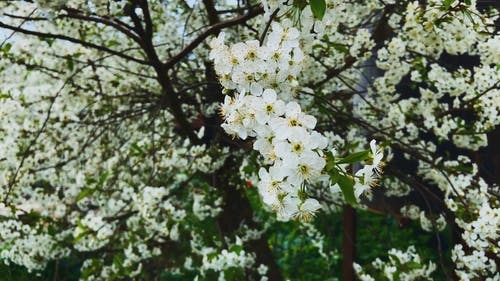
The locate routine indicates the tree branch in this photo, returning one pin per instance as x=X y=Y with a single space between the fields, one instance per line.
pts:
x=73 y=40
x=214 y=29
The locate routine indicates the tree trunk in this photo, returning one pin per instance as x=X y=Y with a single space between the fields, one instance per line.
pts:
x=348 y=243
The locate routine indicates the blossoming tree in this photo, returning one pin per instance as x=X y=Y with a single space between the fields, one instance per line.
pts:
x=169 y=138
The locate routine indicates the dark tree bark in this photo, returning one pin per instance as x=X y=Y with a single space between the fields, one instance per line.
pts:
x=348 y=243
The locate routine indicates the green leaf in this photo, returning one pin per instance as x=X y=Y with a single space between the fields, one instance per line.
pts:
x=6 y=47
x=414 y=265
x=233 y=274
x=469 y=16
x=136 y=150
x=463 y=169
x=341 y=48
x=300 y=4
x=236 y=248
x=333 y=172
x=49 y=41
x=355 y=157
x=118 y=260
x=318 y=8
x=112 y=43
x=69 y=62
x=330 y=161
x=347 y=186
x=104 y=176
x=84 y=193
x=447 y=4
x=81 y=234
x=334 y=177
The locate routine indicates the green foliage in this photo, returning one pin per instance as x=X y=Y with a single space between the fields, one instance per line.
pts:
x=299 y=4
x=345 y=181
x=66 y=270
x=318 y=8
x=14 y=273
x=347 y=186
x=6 y=48
x=447 y=4
x=354 y=157
x=390 y=234
x=294 y=250
x=297 y=256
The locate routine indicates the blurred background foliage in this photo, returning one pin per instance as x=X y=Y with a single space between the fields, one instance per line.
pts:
x=295 y=251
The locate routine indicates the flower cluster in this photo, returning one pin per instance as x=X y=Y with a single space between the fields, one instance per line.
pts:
x=249 y=67
x=402 y=265
x=285 y=135
x=429 y=224
x=473 y=265
x=286 y=139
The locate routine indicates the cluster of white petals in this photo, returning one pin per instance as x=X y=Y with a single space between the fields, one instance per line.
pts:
x=402 y=265
x=284 y=134
x=264 y=108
